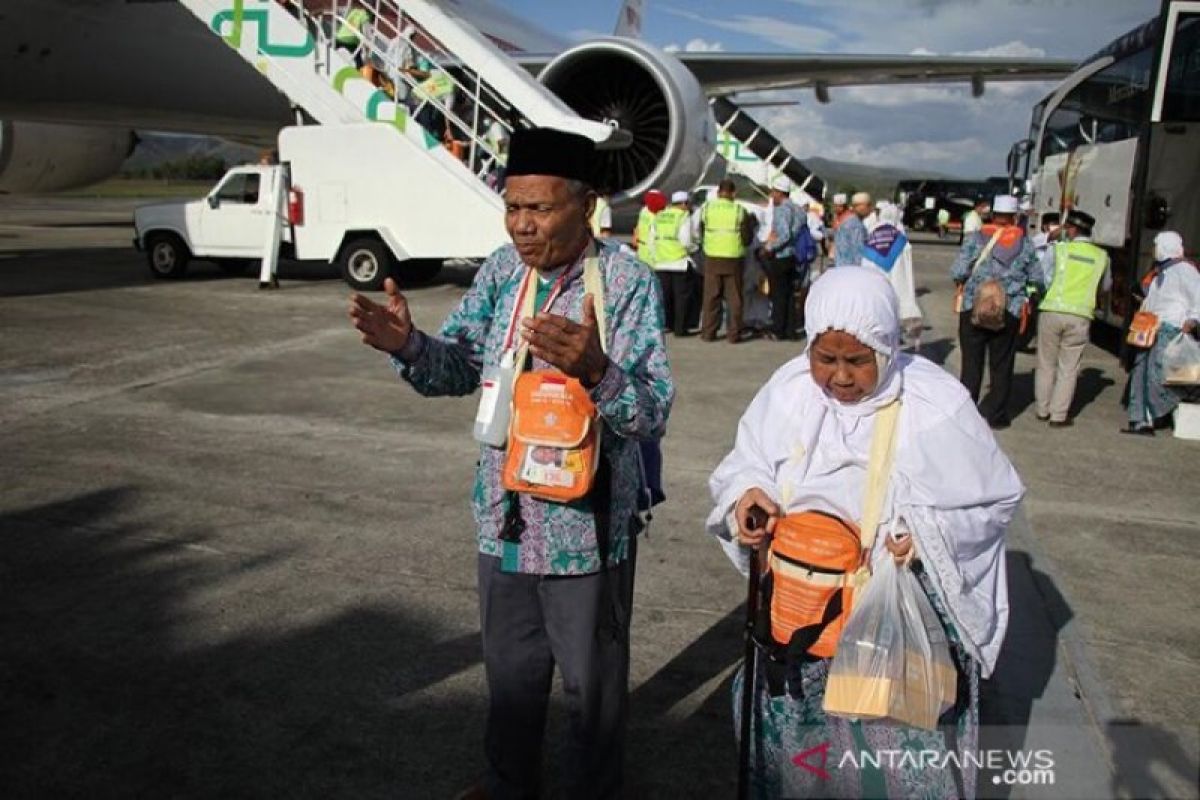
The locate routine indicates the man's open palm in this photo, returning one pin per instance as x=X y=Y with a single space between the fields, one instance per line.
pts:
x=384 y=327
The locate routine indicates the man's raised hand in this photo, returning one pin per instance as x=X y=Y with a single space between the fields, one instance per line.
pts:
x=573 y=347
x=384 y=327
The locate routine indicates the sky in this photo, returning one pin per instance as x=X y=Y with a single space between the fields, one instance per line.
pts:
x=924 y=128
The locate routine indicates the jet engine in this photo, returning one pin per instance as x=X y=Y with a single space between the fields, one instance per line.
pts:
x=640 y=89
x=42 y=157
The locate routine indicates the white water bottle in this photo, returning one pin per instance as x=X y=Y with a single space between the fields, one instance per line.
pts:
x=495 y=402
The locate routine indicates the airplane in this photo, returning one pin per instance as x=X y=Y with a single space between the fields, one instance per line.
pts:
x=78 y=77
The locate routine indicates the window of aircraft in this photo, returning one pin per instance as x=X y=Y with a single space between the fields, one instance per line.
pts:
x=241 y=187
x=1111 y=105
x=1181 y=101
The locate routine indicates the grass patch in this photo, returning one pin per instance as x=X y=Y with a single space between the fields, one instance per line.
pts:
x=142 y=187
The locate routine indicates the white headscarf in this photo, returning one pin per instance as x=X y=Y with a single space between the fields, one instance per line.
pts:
x=951 y=485
x=1167 y=245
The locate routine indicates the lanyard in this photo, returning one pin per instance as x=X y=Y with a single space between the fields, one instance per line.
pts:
x=526 y=297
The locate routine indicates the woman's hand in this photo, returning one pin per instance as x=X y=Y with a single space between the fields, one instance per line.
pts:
x=901 y=547
x=756 y=515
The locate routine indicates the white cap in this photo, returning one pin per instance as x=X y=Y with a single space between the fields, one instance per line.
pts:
x=860 y=197
x=1005 y=204
x=880 y=205
x=782 y=184
x=839 y=199
x=1168 y=244
x=679 y=197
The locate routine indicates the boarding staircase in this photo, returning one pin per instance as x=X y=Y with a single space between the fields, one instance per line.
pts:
x=751 y=150
x=293 y=43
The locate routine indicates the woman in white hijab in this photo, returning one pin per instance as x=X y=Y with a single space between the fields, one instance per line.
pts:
x=803 y=444
x=1172 y=291
x=889 y=251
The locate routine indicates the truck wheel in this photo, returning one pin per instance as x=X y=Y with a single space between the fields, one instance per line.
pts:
x=365 y=264
x=167 y=255
x=417 y=271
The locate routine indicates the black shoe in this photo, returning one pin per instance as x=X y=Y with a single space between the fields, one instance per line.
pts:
x=1061 y=423
x=1138 y=430
x=999 y=424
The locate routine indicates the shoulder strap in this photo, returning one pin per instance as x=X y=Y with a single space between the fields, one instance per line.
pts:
x=987 y=250
x=879 y=472
x=593 y=284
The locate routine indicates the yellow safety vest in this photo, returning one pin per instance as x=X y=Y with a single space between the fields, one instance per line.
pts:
x=352 y=27
x=645 y=226
x=1078 y=269
x=666 y=235
x=723 y=228
x=601 y=207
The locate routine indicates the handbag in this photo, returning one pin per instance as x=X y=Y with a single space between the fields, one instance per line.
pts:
x=817 y=561
x=1143 y=330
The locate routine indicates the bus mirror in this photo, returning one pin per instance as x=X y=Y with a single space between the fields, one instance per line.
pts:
x=1157 y=213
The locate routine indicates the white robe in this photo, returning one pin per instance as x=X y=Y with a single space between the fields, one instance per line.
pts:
x=951 y=487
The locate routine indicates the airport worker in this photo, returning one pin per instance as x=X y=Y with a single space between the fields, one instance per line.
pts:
x=990 y=273
x=1172 y=295
x=1077 y=275
x=725 y=230
x=852 y=233
x=943 y=222
x=653 y=202
x=672 y=262
x=778 y=255
x=555 y=577
x=601 y=221
x=802 y=456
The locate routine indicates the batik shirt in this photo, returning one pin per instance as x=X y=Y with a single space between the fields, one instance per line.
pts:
x=1014 y=266
x=786 y=219
x=633 y=399
x=849 y=241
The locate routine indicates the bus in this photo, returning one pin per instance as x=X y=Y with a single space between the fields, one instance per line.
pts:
x=921 y=199
x=1120 y=140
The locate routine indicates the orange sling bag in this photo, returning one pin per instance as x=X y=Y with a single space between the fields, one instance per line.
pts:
x=555 y=432
x=817 y=561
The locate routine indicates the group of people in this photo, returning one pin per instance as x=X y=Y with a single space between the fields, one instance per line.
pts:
x=575 y=322
x=746 y=267
x=1004 y=272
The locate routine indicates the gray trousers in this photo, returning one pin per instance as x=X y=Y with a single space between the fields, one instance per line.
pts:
x=1061 y=339
x=530 y=623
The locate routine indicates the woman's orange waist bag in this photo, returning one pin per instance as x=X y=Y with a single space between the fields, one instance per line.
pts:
x=817 y=561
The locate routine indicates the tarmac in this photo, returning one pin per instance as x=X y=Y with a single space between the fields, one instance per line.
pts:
x=237 y=558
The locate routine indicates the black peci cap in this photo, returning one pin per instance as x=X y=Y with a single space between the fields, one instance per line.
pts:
x=1081 y=219
x=547 y=151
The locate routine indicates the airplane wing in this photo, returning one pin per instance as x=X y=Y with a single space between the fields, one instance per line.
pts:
x=727 y=73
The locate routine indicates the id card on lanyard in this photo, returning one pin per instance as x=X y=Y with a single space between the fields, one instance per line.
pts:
x=496 y=382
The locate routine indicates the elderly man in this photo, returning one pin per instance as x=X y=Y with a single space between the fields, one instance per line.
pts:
x=851 y=235
x=778 y=255
x=991 y=272
x=555 y=578
x=1076 y=273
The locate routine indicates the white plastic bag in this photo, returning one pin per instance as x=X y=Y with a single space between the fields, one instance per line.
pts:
x=1181 y=361
x=892 y=658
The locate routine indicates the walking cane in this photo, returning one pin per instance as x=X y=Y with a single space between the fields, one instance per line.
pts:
x=757 y=518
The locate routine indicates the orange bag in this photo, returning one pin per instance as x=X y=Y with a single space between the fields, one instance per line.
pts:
x=817 y=561
x=553 y=439
x=811 y=559
x=1143 y=330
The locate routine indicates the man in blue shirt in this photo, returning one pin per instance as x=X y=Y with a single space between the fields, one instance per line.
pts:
x=779 y=262
x=852 y=234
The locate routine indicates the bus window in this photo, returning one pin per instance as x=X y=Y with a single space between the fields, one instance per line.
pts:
x=1181 y=101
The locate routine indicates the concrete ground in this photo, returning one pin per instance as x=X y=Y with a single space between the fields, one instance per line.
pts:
x=236 y=556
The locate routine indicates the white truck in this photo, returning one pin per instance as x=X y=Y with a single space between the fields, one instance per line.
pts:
x=348 y=200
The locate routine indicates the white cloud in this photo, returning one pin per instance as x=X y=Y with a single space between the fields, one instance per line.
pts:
x=695 y=46
x=789 y=35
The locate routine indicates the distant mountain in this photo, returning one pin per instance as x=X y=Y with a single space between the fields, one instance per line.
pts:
x=844 y=176
x=159 y=149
